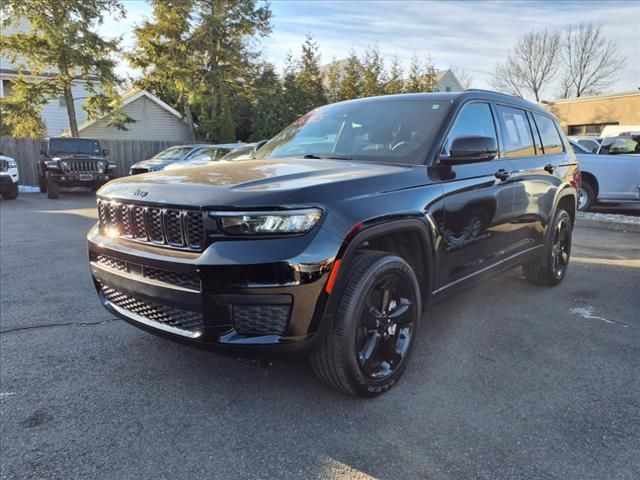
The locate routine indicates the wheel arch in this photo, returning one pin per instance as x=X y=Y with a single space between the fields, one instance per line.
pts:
x=592 y=180
x=409 y=238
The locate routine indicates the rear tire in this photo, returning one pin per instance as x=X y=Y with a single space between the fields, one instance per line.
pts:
x=551 y=267
x=11 y=193
x=586 y=197
x=366 y=349
x=53 y=189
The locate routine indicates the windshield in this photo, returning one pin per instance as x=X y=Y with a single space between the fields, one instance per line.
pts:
x=173 y=153
x=239 y=153
x=84 y=146
x=392 y=131
x=620 y=145
x=209 y=154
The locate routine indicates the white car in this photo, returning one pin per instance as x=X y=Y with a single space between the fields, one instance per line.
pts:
x=590 y=143
x=612 y=177
x=8 y=177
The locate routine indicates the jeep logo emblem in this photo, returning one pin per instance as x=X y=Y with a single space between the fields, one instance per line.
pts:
x=140 y=193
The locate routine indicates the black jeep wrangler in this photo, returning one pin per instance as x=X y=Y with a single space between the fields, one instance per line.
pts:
x=344 y=228
x=73 y=162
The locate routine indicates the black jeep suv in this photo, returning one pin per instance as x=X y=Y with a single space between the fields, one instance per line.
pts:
x=346 y=225
x=73 y=162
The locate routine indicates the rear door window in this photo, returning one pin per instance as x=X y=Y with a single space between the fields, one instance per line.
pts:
x=516 y=132
x=551 y=141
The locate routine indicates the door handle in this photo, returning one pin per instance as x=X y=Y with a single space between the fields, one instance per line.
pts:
x=550 y=168
x=502 y=174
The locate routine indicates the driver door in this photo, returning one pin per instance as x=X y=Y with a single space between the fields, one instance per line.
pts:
x=478 y=202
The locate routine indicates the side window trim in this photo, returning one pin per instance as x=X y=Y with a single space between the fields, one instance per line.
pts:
x=537 y=137
x=457 y=115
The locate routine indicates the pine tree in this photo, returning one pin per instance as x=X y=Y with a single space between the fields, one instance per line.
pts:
x=308 y=78
x=332 y=82
x=430 y=77
x=415 y=83
x=351 y=86
x=395 y=83
x=373 y=74
x=62 y=37
x=226 y=129
x=266 y=111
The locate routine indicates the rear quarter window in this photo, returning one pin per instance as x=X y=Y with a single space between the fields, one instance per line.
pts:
x=551 y=141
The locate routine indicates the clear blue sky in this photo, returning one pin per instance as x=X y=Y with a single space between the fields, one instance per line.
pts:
x=470 y=35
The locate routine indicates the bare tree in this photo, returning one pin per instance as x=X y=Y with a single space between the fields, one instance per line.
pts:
x=531 y=66
x=592 y=62
x=463 y=77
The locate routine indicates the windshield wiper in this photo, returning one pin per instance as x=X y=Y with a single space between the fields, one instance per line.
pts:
x=325 y=157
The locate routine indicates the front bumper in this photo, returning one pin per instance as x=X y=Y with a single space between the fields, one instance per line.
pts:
x=253 y=297
x=80 y=179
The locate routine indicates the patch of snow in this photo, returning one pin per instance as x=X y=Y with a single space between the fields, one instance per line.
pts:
x=609 y=217
x=587 y=312
x=28 y=189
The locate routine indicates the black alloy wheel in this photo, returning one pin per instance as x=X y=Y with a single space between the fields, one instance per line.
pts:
x=561 y=248
x=551 y=266
x=367 y=346
x=386 y=326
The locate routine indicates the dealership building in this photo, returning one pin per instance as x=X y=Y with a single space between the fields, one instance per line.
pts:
x=589 y=115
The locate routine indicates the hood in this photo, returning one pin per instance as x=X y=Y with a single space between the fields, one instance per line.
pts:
x=291 y=181
x=74 y=156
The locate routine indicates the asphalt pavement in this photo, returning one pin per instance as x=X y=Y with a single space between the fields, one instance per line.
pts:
x=508 y=380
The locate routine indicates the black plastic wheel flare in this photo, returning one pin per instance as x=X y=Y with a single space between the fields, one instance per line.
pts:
x=561 y=248
x=386 y=326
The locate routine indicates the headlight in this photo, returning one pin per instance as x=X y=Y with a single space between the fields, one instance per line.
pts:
x=268 y=223
x=64 y=165
x=101 y=165
x=12 y=164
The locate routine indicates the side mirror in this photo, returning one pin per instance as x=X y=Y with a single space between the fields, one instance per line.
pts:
x=43 y=148
x=594 y=150
x=471 y=149
x=105 y=152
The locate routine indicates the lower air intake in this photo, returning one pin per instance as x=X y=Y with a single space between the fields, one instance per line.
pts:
x=260 y=319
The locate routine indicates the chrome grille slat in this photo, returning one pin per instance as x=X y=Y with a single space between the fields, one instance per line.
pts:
x=171 y=227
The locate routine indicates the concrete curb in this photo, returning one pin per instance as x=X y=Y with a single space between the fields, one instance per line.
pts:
x=621 y=223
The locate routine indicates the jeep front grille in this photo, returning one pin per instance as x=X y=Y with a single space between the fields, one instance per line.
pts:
x=183 y=280
x=160 y=314
x=82 y=166
x=172 y=227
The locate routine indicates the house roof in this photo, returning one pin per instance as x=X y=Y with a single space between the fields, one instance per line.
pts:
x=130 y=97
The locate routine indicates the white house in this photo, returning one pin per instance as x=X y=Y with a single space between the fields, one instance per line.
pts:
x=154 y=120
x=446 y=81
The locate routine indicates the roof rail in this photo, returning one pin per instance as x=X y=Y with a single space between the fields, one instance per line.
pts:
x=492 y=91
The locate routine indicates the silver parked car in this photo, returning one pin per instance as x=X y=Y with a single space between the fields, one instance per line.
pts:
x=612 y=176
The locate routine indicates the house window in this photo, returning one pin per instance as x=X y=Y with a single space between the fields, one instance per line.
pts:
x=594 y=129
x=448 y=89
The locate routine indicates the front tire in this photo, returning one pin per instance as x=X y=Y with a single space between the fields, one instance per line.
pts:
x=11 y=193
x=53 y=189
x=551 y=267
x=366 y=349
x=42 y=184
